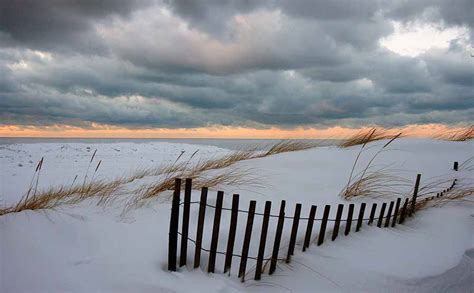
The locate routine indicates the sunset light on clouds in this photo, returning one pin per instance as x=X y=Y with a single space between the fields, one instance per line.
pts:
x=233 y=69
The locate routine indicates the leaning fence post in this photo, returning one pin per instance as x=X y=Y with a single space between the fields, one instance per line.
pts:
x=382 y=211
x=395 y=213
x=215 y=232
x=349 y=219
x=232 y=230
x=389 y=214
x=276 y=244
x=294 y=232
x=309 y=227
x=185 y=228
x=403 y=213
x=247 y=237
x=372 y=214
x=263 y=240
x=337 y=222
x=361 y=216
x=415 y=194
x=174 y=222
x=200 y=227
x=455 y=167
x=324 y=222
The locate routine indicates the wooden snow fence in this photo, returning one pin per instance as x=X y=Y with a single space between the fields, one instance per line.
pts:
x=267 y=252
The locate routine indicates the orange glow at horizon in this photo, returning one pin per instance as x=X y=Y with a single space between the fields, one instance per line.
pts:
x=107 y=131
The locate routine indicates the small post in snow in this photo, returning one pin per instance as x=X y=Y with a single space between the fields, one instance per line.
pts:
x=455 y=167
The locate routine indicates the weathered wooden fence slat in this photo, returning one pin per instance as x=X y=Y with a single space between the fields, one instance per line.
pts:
x=174 y=222
x=324 y=223
x=200 y=227
x=415 y=194
x=372 y=214
x=361 y=216
x=185 y=228
x=389 y=214
x=263 y=240
x=403 y=213
x=294 y=232
x=349 y=219
x=382 y=211
x=247 y=237
x=395 y=213
x=309 y=227
x=232 y=230
x=276 y=244
x=215 y=232
x=337 y=222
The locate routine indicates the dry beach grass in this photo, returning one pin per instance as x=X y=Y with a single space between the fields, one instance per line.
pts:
x=106 y=191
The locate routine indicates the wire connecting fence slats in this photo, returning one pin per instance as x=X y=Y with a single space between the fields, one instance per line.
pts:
x=396 y=214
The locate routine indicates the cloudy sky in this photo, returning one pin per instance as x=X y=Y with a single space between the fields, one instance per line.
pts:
x=180 y=64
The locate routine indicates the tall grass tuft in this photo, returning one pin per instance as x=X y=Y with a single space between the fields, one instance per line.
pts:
x=368 y=135
x=462 y=134
x=368 y=182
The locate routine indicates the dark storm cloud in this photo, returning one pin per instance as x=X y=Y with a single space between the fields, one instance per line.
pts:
x=58 y=24
x=242 y=63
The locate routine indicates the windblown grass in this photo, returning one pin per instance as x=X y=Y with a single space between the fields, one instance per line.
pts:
x=285 y=146
x=368 y=182
x=107 y=191
x=462 y=134
x=369 y=135
x=376 y=184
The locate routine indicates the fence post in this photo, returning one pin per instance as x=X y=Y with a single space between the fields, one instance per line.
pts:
x=200 y=227
x=372 y=214
x=361 y=216
x=276 y=244
x=247 y=237
x=389 y=214
x=263 y=240
x=294 y=232
x=232 y=230
x=215 y=232
x=415 y=194
x=395 y=213
x=349 y=219
x=309 y=227
x=403 y=212
x=382 y=211
x=455 y=167
x=324 y=222
x=185 y=228
x=174 y=222
x=337 y=222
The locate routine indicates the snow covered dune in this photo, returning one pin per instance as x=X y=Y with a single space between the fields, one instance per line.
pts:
x=86 y=248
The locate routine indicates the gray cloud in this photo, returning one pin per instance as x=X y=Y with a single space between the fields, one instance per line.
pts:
x=242 y=63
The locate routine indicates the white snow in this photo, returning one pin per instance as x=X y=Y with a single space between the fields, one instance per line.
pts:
x=85 y=248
